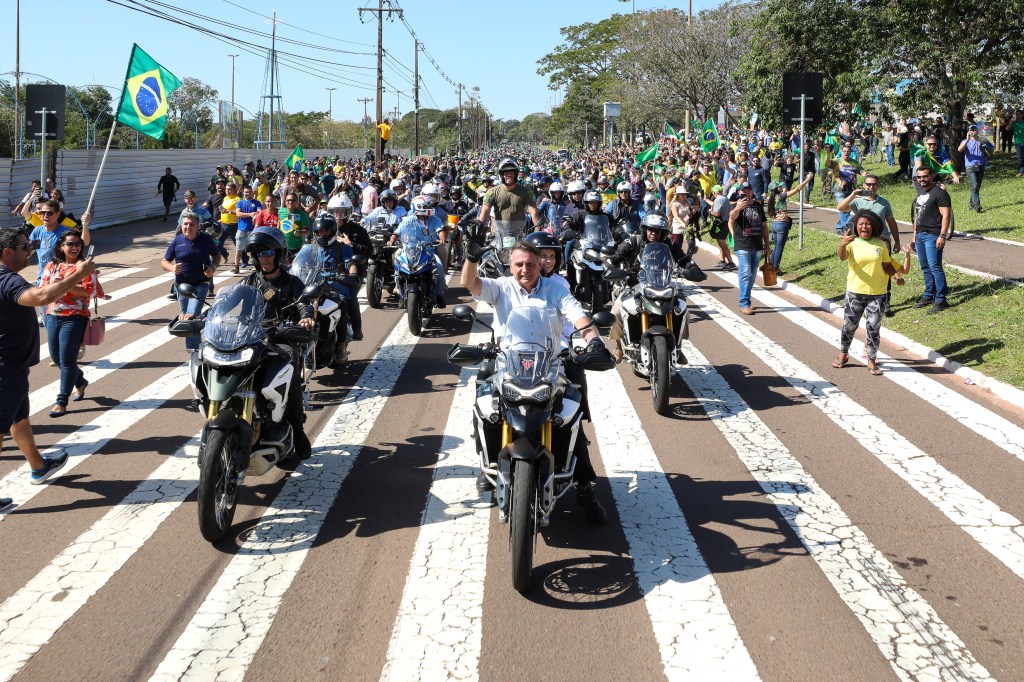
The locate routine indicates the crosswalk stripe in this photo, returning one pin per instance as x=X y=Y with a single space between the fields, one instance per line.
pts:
x=227 y=630
x=999 y=532
x=435 y=637
x=31 y=616
x=907 y=630
x=1000 y=431
x=696 y=635
x=88 y=439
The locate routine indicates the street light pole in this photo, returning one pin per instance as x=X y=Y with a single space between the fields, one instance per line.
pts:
x=232 y=81
x=330 y=109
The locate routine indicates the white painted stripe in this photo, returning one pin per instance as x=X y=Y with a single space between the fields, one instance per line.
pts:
x=97 y=369
x=986 y=423
x=436 y=637
x=91 y=437
x=697 y=637
x=909 y=633
x=997 y=531
x=31 y=616
x=231 y=624
x=108 y=275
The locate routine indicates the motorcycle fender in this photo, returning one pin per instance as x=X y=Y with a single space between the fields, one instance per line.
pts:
x=227 y=420
x=411 y=286
x=195 y=366
x=657 y=330
x=522 y=448
x=569 y=409
x=275 y=387
x=223 y=383
x=327 y=307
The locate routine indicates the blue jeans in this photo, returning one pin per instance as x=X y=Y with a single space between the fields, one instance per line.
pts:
x=780 y=233
x=975 y=174
x=889 y=155
x=930 y=258
x=844 y=216
x=192 y=306
x=65 y=333
x=1020 y=158
x=748 y=262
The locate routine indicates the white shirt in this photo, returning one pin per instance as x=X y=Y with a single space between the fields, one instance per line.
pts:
x=505 y=293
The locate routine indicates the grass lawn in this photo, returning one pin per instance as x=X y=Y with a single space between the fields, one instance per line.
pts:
x=1002 y=198
x=982 y=329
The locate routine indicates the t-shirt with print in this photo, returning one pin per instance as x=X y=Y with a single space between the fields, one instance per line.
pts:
x=864 y=260
x=19 y=331
x=291 y=221
x=266 y=218
x=929 y=218
x=845 y=171
x=748 y=235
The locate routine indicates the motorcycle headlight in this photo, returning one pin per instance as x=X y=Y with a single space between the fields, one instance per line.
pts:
x=658 y=294
x=222 y=359
x=537 y=394
x=591 y=254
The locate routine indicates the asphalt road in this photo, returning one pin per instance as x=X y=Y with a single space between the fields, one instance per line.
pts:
x=785 y=521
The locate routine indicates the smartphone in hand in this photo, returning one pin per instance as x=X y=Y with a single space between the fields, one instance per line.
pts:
x=88 y=254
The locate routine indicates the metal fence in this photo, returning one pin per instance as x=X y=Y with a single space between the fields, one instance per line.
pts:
x=128 y=188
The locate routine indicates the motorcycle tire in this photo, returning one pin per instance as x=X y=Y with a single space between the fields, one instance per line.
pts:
x=412 y=309
x=522 y=522
x=660 y=376
x=218 y=491
x=374 y=286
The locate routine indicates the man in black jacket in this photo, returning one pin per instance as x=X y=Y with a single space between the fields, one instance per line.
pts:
x=355 y=235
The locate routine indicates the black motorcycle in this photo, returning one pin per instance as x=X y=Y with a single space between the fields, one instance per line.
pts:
x=380 y=270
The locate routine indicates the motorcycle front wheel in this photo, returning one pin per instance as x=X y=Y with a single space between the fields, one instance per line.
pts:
x=374 y=286
x=218 y=490
x=522 y=522
x=660 y=375
x=412 y=309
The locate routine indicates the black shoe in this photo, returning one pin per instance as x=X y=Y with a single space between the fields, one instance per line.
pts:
x=172 y=296
x=586 y=498
x=357 y=334
x=440 y=303
x=303 y=448
x=938 y=307
x=483 y=484
x=5 y=502
x=923 y=302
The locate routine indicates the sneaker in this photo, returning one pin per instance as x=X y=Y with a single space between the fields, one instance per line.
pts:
x=731 y=266
x=586 y=498
x=483 y=484
x=51 y=465
x=923 y=302
x=938 y=307
x=172 y=296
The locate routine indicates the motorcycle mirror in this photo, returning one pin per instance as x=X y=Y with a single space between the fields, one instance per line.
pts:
x=603 y=318
x=615 y=275
x=607 y=250
x=310 y=293
x=358 y=259
x=186 y=290
x=463 y=312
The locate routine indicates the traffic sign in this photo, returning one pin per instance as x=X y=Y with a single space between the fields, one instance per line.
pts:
x=808 y=86
x=46 y=98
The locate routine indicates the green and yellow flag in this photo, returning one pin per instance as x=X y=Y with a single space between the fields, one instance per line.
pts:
x=144 y=96
x=928 y=159
x=832 y=141
x=709 y=140
x=647 y=155
x=295 y=157
x=669 y=132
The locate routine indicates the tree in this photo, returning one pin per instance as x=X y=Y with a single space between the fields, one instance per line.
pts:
x=579 y=117
x=588 y=52
x=193 y=98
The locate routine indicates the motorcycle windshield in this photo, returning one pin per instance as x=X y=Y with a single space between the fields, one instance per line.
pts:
x=531 y=341
x=596 y=232
x=656 y=265
x=305 y=266
x=414 y=244
x=235 y=319
x=506 y=234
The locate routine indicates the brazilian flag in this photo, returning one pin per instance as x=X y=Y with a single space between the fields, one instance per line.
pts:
x=928 y=159
x=295 y=158
x=144 y=97
x=669 y=132
x=709 y=140
x=647 y=155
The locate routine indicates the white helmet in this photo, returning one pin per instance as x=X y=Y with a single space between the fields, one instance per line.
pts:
x=339 y=201
x=576 y=186
x=556 y=187
x=397 y=184
x=431 y=190
x=624 y=186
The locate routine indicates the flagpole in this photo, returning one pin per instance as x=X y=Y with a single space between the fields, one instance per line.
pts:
x=103 y=161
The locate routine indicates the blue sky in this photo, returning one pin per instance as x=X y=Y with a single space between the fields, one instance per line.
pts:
x=89 y=41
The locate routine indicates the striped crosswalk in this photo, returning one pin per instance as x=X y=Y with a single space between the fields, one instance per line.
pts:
x=748 y=408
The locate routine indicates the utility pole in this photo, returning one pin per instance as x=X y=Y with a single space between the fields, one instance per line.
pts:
x=232 y=82
x=689 y=21
x=17 y=81
x=273 y=67
x=416 y=95
x=459 y=122
x=379 y=11
x=365 y=101
x=330 y=109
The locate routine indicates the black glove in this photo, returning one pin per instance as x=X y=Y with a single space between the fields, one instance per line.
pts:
x=474 y=252
x=595 y=346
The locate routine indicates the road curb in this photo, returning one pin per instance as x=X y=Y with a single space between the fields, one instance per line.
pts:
x=998 y=388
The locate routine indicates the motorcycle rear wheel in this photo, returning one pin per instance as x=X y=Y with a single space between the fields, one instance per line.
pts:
x=374 y=287
x=218 y=491
x=412 y=309
x=522 y=522
x=660 y=375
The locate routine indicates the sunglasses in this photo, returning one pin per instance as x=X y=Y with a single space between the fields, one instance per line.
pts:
x=265 y=254
x=30 y=246
x=45 y=212
x=73 y=245
x=871 y=184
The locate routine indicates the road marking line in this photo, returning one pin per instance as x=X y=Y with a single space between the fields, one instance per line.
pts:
x=696 y=635
x=997 y=531
x=226 y=632
x=908 y=632
x=986 y=423
x=91 y=437
x=31 y=616
x=438 y=630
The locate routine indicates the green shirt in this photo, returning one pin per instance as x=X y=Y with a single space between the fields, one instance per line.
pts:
x=879 y=206
x=289 y=221
x=1018 y=132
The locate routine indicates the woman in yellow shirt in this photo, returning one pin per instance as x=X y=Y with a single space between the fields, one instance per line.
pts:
x=869 y=267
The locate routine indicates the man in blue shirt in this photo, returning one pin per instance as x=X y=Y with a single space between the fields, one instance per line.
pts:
x=246 y=209
x=193 y=258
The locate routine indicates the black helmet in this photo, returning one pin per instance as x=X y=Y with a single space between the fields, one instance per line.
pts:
x=655 y=220
x=546 y=240
x=508 y=164
x=325 y=221
x=455 y=192
x=266 y=239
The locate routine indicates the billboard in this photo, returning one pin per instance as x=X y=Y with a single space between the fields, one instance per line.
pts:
x=230 y=125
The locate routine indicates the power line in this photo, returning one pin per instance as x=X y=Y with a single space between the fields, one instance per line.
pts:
x=429 y=56
x=300 y=28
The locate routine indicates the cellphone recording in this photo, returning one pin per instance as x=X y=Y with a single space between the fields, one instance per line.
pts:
x=88 y=254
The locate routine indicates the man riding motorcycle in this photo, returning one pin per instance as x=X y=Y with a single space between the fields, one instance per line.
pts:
x=332 y=255
x=423 y=218
x=351 y=234
x=509 y=201
x=574 y=228
x=281 y=292
x=623 y=212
